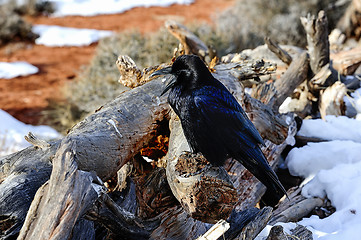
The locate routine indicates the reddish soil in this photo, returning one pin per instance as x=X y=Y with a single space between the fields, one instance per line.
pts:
x=26 y=97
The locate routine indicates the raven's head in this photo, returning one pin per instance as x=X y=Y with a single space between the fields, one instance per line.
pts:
x=188 y=72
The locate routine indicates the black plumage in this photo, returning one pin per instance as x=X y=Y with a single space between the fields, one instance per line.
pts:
x=213 y=121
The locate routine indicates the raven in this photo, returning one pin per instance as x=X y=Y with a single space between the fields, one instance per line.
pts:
x=213 y=122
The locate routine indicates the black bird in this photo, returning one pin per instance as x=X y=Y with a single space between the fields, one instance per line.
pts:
x=213 y=121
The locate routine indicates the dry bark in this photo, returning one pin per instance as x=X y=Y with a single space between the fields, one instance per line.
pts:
x=350 y=23
x=191 y=43
x=276 y=49
x=346 y=62
x=252 y=229
x=331 y=100
x=317 y=40
x=274 y=93
x=299 y=233
x=105 y=141
x=319 y=51
x=294 y=208
x=60 y=202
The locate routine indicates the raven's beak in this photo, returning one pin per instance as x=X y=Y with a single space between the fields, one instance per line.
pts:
x=163 y=71
x=166 y=71
x=170 y=84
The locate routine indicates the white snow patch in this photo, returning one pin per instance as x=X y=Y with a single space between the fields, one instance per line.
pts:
x=95 y=7
x=324 y=155
x=334 y=170
x=56 y=36
x=15 y=69
x=12 y=133
x=334 y=128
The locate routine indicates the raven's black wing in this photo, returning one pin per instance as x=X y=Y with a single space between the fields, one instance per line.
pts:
x=223 y=117
x=226 y=125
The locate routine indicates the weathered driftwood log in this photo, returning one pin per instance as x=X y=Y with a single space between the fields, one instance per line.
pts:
x=276 y=49
x=190 y=42
x=60 y=202
x=205 y=192
x=350 y=22
x=331 y=100
x=21 y=174
x=105 y=141
x=317 y=39
x=294 y=208
x=346 y=62
x=300 y=232
x=319 y=51
x=274 y=93
x=247 y=69
x=253 y=228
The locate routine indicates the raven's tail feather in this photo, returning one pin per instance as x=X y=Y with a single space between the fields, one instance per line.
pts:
x=257 y=164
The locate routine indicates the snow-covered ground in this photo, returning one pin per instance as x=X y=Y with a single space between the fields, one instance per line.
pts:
x=16 y=69
x=56 y=36
x=95 y=7
x=12 y=133
x=331 y=169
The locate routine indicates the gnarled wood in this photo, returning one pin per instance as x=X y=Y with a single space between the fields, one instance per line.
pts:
x=59 y=203
x=276 y=49
x=190 y=42
x=105 y=141
x=274 y=93
x=331 y=100
x=350 y=22
x=294 y=208
x=130 y=74
x=317 y=39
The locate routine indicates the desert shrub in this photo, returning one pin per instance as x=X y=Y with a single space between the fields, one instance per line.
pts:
x=14 y=28
x=29 y=7
x=248 y=22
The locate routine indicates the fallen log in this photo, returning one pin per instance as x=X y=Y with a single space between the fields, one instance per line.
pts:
x=105 y=141
x=59 y=203
x=294 y=208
